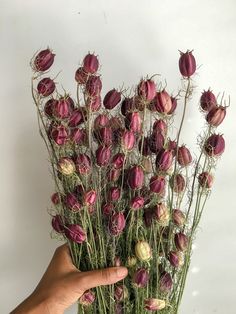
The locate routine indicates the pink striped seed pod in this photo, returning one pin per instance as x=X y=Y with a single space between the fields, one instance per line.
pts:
x=162 y=102
x=140 y=278
x=215 y=145
x=177 y=183
x=81 y=76
x=43 y=60
x=103 y=156
x=90 y=63
x=216 y=115
x=90 y=197
x=71 y=202
x=93 y=86
x=178 y=217
x=75 y=233
x=147 y=89
x=60 y=135
x=46 y=87
x=176 y=258
x=136 y=203
x=205 y=180
x=57 y=224
x=157 y=184
x=83 y=164
x=112 y=99
x=181 y=241
x=133 y=122
x=165 y=283
x=164 y=160
x=87 y=298
x=184 y=156
x=102 y=120
x=208 y=100
x=128 y=140
x=117 y=223
x=135 y=177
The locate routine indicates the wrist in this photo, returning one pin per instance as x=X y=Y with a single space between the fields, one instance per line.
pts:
x=36 y=304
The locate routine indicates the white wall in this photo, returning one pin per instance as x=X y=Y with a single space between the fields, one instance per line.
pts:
x=132 y=38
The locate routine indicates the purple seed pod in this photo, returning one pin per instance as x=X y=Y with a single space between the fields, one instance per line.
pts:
x=208 y=100
x=93 y=86
x=216 y=115
x=160 y=126
x=177 y=182
x=166 y=283
x=141 y=278
x=78 y=136
x=178 y=217
x=157 y=141
x=81 y=76
x=146 y=151
x=94 y=103
x=114 y=194
x=101 y=121
x=46 y=87
x=87 y=298
x=117 y=223
x=59 y=134
x=174 y=105
x=114 y=174
x=128 y=140
x=55 y=198
x=83 y=164
x=205 y=180
x=157 y=184
x=147 y=89
x=71 y=202
x=111 y=99
x=161 y=214
x=136 y=203
x=215 y=145
x=43 y=60
x=76 y=118
x=90 y=197
x=175 y=259
x=135 y=177
x=62 y=109
x=57 y=224
x=127 y=105
x=118 y=160
x=103 y=156
x=184 y=156
x=107 y=209
x=133 y=122
x=90 y=63
x=162 y=102
x=75 y=233
x=104 y=136
x=121 y=293
x=164 y=160
x=181 y=241
x=49 y=107
x=187 y=63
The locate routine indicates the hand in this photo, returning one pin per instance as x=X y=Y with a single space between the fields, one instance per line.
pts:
x=63 y=284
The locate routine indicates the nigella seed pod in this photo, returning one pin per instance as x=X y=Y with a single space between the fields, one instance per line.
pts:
x=83 y=164
x=55 y=198
x=118 y=160
x=141 y=278
x=117 y=224
x=61 y=109
x=216 y=115
x=104 y=136
x=178 y=218
x=121 y=293
x=172 y=145
x=143 y=251
x=114 y=194
x=161 y=214
x=78 y=136
x=66 y=166
x=157 y=184
x=215 y=145
x=112 y=99
x=205 y=180
x=154 y=304
x=184 y=156
x=81 y=76
x=49 y=107
x=101 y=121
x=131 y=261
x=164 y=160
x=103 y=156
x=135 y=177
x=162 y=102
x=134 y=122
x=59 y=134
x=114 y=174
x=90 y=63
x=174 y=105
x=71 y=202
x=93 y=86
x=136 y=203
x=176 y=259
x=94 y=103
x=208 y=100
x=177 y=183
x=160 y=126
x=46 y=87
x=127 y=106
x=75 y=233
x=107 y=209
x=166 y=283
x=90 y=197
x=187 y=63
x=147 y=89
x=76 y=118
x=57 y=224
x=128 y=140
x=87 y=298
x=43 y=60
x=181 y=241
x=157 y=141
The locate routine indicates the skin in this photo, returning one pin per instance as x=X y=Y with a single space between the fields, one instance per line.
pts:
x=63 y=284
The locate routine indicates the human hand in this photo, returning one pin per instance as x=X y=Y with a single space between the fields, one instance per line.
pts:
x=63 y=284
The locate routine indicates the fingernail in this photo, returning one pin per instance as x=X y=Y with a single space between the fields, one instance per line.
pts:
x=121 y=272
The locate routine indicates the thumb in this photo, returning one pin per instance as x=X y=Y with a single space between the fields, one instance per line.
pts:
x=107 y=276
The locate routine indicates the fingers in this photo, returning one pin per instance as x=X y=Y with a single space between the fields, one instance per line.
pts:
x=94 y=278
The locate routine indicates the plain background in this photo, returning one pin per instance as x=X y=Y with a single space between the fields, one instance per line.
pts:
x=132 y=38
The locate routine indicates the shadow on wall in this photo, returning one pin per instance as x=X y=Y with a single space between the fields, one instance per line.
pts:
x=30 y=238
